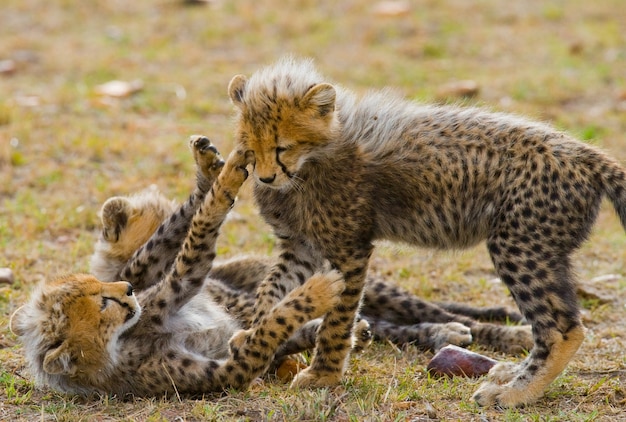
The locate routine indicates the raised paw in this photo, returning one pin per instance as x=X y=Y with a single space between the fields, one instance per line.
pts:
x=207 y=157
x=114 y=214
x=315 y=379
x=362 y=336
x=452 y=333
x=234 y=172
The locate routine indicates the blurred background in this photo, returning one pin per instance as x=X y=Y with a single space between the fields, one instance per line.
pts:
x=98 y=98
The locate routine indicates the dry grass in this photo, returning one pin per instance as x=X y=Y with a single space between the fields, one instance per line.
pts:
x=64 y=150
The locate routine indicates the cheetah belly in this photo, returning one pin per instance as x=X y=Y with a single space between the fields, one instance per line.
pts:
x=448 y=230
x=202 y=326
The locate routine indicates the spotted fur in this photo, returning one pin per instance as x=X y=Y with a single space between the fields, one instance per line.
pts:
x=83 y=335
x=379 y=167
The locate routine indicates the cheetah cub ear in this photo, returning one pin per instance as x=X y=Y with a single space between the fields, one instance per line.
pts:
x=16 y=322
x=320 y=98
x=236 y=89
x=59 y=361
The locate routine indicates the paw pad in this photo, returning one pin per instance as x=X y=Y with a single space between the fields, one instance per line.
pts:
x=202 y=144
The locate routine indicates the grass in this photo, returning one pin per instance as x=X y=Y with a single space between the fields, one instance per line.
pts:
x=64 y=150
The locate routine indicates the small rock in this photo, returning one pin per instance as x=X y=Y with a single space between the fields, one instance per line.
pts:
x=7 y=67
x=458 y=89
x=591 y=293
x=430 y=411
x=456 y=361
x=391 y=8
x=606 y=277
x=119 y=89
x=25 y=56
x=576 y=47
x=596 y=288
x=197 y=2
x=27 y=100
x=6 y=276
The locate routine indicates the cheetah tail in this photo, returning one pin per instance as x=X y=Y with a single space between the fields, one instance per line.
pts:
x=614 y=178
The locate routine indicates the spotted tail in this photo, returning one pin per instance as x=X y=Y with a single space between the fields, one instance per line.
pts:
x=614 y=178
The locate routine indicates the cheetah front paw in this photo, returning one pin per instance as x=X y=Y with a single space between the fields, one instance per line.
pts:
x=362 y=337
x=310 y=378
x=208 y=159
x=453 y=333
x=235 y=172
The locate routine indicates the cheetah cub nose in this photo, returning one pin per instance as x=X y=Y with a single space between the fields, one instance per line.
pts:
x=268 y=180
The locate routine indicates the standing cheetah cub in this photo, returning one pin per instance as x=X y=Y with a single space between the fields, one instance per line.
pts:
x=83 y=335
x=333 y=173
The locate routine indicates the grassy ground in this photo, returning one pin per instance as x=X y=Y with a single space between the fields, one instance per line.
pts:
x=64 y=149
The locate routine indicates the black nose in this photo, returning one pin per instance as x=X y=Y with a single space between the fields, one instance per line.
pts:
x=129 y=290
x=268 y=180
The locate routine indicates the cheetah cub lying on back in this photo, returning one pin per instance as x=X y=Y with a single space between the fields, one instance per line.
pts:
x=378 y=167
x=83 y=335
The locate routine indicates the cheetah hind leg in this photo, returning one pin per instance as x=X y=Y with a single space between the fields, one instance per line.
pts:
x=304 y=338
x=319 y=291
x=511 y=385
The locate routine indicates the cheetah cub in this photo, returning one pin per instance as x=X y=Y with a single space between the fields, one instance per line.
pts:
x=83 y=335
x=333 y=173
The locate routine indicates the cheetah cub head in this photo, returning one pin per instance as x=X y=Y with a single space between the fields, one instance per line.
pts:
x=70 y=327
x=286 y=115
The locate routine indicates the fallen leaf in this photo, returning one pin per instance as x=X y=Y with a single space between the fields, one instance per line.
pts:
x=27 y=100
x=6 y=276
x=288 y=369
x=7 y=67
x=458 y=89
x=119 y=89
x=391 y=8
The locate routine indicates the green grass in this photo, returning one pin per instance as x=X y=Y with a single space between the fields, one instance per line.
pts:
x=64 y=149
